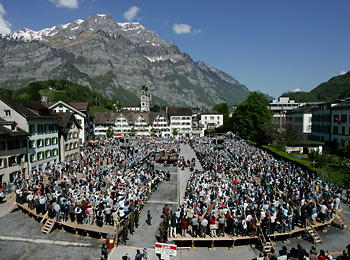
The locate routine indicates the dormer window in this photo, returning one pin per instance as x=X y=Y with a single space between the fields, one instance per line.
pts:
x=7 y=113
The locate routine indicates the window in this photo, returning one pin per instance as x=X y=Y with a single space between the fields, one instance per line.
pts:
x=343 y=130
x=12 y=161
x=2 y=146
x=67 y=147
x=7 y=113
x=55 y=152
x=40 y=129
x=48 y=129
x=3 y=162
x=54 y=128
x=54 y=140
x=39 y=143
x=10 y=145
x=343 y=118
x=47 y=154
x=335 y=130
x=31 y=129
x=40 y=156
x=47 y=141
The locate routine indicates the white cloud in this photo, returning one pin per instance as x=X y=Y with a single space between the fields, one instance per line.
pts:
x=184 y=28
x=181 y=28
x=342 y=72
x=131 y=13
x=5 y=26
x=66 y=3
x=296 y=90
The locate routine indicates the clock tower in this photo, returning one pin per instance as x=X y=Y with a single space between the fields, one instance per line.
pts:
x=145 y=100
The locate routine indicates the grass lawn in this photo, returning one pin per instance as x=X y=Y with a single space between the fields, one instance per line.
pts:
x=94 y=109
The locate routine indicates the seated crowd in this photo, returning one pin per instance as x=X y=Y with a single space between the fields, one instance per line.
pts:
x=243 y=190
x=107 y=182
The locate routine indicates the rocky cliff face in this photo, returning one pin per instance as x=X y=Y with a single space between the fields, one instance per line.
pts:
x=116 y=59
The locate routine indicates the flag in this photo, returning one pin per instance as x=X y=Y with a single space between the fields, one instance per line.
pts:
x=337 y=120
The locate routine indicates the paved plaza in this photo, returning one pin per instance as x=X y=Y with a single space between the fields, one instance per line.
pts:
x=20 y=236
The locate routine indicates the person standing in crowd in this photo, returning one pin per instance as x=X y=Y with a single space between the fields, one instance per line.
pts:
x=149 y=218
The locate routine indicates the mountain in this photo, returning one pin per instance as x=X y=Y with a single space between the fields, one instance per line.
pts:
x=335 y=89
x=116 y=59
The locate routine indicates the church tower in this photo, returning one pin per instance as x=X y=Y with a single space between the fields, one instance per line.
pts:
x=145 y=100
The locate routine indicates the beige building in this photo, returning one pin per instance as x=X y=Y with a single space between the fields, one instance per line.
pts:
x=13 y=151
x=68 y=134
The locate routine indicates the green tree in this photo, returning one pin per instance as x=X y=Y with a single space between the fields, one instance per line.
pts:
x=175 y=132
x=227 y=120
x=132 y=131
x=251 y=116
x=152 y=132
x=223 y=109
x=110 y=131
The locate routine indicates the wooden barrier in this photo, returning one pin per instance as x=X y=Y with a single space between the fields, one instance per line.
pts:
x=191 y=241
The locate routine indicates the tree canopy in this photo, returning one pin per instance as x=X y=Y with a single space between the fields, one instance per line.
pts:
x=251 y=116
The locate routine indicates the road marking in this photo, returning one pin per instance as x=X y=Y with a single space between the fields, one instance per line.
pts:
x=111 y=253
x=44 y=241
x=162 y=202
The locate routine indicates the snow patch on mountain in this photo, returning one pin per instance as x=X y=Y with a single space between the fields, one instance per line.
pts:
x=159 y=58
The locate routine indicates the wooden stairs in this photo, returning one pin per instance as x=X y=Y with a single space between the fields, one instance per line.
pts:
x=12 y=208
x=265 y=242
x=340 y=220
x=313 y=233
x=48 y=226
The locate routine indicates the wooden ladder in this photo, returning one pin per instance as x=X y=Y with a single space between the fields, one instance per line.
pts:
x=49 y=225
x=340 y=219
x=313 y=233
x=266 y=243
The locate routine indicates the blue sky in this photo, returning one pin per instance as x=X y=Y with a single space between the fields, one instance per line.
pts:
x=272 y=46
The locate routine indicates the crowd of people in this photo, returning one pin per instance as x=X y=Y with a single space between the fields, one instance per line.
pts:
x=299 y=253
x=106 y=183
x=243 y=190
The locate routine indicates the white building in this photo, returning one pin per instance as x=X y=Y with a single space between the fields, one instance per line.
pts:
x=211 y=119
x=280 y=107
x=181 y=120
x=68 y=132
x=13 y=151
x=130 y=122
x=300 y=120
x=40 y=123
x=80 y=111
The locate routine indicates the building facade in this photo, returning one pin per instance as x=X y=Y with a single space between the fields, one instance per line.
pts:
x=211 y=119
x=132 y=123
x=321 y=123
x=40 y=123
x=181 y=121
x=81 y=113
x=13 y=151
x=299 y=121
x=68 y=134
x=280 y=107
x=340 y=123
